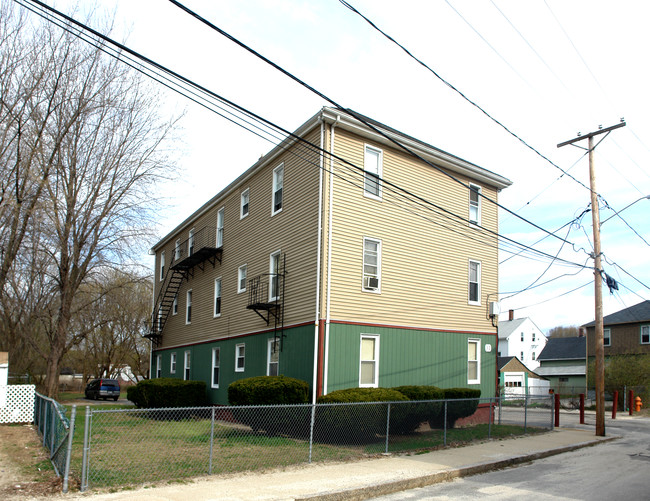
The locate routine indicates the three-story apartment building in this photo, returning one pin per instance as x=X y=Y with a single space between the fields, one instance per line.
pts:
x=340 y=259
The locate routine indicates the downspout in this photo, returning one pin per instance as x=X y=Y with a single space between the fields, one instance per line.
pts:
x=329 y=255
x=153 y=307
x=318 y=264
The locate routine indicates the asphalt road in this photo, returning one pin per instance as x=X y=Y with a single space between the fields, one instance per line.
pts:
x=619 y=469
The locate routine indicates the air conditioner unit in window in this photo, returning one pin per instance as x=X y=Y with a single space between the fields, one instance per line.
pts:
x=371 y=283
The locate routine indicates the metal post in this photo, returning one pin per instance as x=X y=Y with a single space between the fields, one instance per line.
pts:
x=557 y=410
x=582 y=408
x=445 y=426
x=45 y=424
x=211 y=442
x=68 y=456
x=631 y=400
x=311 y=430
x=525 y=413
x=624 y=398
x=52 y=429
x=500 y=405
x=387 y=426
x=86 y=450
x=492 y=405
x=614 y=404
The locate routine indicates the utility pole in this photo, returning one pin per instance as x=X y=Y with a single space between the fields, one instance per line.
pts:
x=598 y=280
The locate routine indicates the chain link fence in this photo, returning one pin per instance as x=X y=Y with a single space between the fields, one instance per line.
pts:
x=57 y=431
x=134 y=446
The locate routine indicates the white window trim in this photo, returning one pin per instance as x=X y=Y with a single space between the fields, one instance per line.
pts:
x=641 y=334
x=246 y=193
x=190 y=243
x=607 y=329
x=177 y=250
x=221 y=214
x=275 y=188
x=243 y=267
x=172 y=363
x=158 y=366
x=187 y=365
x=175 y=305
x=380 y=170
x=479 y=190
x=376 y=360
x=273 y=274
x=269 y=344
x=469 y=273
x=215 y=350
x=363 y=266
x=478 y=361
x=162 y=266
x=217 y=280
x=237 y=346
x=188 y=307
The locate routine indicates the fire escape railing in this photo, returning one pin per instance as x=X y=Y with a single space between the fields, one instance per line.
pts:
x=266 y=298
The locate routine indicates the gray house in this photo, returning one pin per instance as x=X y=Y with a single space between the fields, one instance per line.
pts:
x=563 y=363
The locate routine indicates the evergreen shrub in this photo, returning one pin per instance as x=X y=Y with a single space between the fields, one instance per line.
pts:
x=406 y=418
x=167 y=392
x=465 y=406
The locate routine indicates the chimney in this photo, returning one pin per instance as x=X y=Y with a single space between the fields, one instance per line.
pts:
x=511 y=314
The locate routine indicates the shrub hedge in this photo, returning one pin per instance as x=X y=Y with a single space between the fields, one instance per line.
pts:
x=457 y=410
x=167 y=392
x=406 y=418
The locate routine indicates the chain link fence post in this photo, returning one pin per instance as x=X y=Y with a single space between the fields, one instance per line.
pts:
x=311 y=431
x=66 y=474
x=387 y=426
x=211 y=442
x=445 y=426
x=86 y=448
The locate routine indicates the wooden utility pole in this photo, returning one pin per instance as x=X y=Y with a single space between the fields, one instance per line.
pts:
x=598 y=280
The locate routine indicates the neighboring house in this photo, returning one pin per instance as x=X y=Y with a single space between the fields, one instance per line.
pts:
x=625 y=332
x=563 y=363
x=521 y=338
x=358 y=267
x=515 y=379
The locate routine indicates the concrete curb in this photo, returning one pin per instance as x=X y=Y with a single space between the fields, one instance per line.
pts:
x=363 y=493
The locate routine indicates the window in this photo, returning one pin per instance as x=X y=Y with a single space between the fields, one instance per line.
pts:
x=273 y=357
x=186 y=365
x=190 y=243
x=278 y=182
x=521 y=357
x=533 y=337
x=241 y=279
x=216 y=364
x=217 y=297
x=220 y=215
x=474 y=204
x=372 y=166
x=240 y=357
x=188 y=308
x=474 y=361
x=274 y=269
x=474 y=282
x=607 y=337
x=371 y=264
x=158 y=366
x=160 y=318
x=563 y=379
x=369 y=361
x=175 y=306
x=533 y=357
x=162 y=266
x=243 y=211
x=645 y=334
x=172 y=364
x=177 y=250
x=522 y=336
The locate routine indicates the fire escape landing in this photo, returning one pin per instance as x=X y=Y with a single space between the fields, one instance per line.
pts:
x=266 y=296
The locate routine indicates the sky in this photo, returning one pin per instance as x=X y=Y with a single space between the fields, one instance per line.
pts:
x=546 y=70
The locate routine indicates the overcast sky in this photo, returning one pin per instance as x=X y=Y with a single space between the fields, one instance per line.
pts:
x=546 y=70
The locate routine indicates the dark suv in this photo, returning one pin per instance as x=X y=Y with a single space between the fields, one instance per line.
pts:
x=103 y=388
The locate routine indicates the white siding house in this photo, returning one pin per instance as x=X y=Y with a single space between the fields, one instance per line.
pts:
x=521 y=338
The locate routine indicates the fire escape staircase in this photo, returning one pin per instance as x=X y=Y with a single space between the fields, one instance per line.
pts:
x=266 y=297
x=198 y=250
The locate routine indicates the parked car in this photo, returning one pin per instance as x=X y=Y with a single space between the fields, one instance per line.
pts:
x=103 y=388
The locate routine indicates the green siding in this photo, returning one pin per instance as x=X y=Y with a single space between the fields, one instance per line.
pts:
x=296 y=360
x=409 y=356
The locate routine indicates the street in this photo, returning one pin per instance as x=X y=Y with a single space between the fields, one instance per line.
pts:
x=616 y=469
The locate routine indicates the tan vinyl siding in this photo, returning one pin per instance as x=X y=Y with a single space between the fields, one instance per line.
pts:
x=250 y=241
x=425 y=250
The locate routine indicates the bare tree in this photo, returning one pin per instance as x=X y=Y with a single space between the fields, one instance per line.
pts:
x=564 y=331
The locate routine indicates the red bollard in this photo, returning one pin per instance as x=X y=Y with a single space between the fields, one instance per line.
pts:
x=557 y=410
x=582 y=408
x=631 y=401
x=614 y=404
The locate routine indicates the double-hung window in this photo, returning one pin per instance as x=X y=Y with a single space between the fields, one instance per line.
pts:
x=372 y=166
x=274 y=269
x=474 y=282
x=175 y=306
x=240 y=357
x=190 y=243
x=607 y=337
x=220 y=215
x=474 y=361
x=369 y=361
x=172 y=363
x=241 y=279
x=371 y=264
x=243 y=210
x=273 y=357
x=160 y=318
x=645 y=334
x=177 y=250
x=188 y=308
x=162 y=266
x=158 y=366
x=216 y=365
x=186 y=365
x=278 y=185
x=217 y=297
x=474 y=204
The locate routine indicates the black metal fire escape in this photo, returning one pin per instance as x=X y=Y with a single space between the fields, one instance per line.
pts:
x=266 y=297
x=200 y=248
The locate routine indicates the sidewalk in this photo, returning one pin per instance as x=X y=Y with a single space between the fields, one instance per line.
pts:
x=364 y=479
